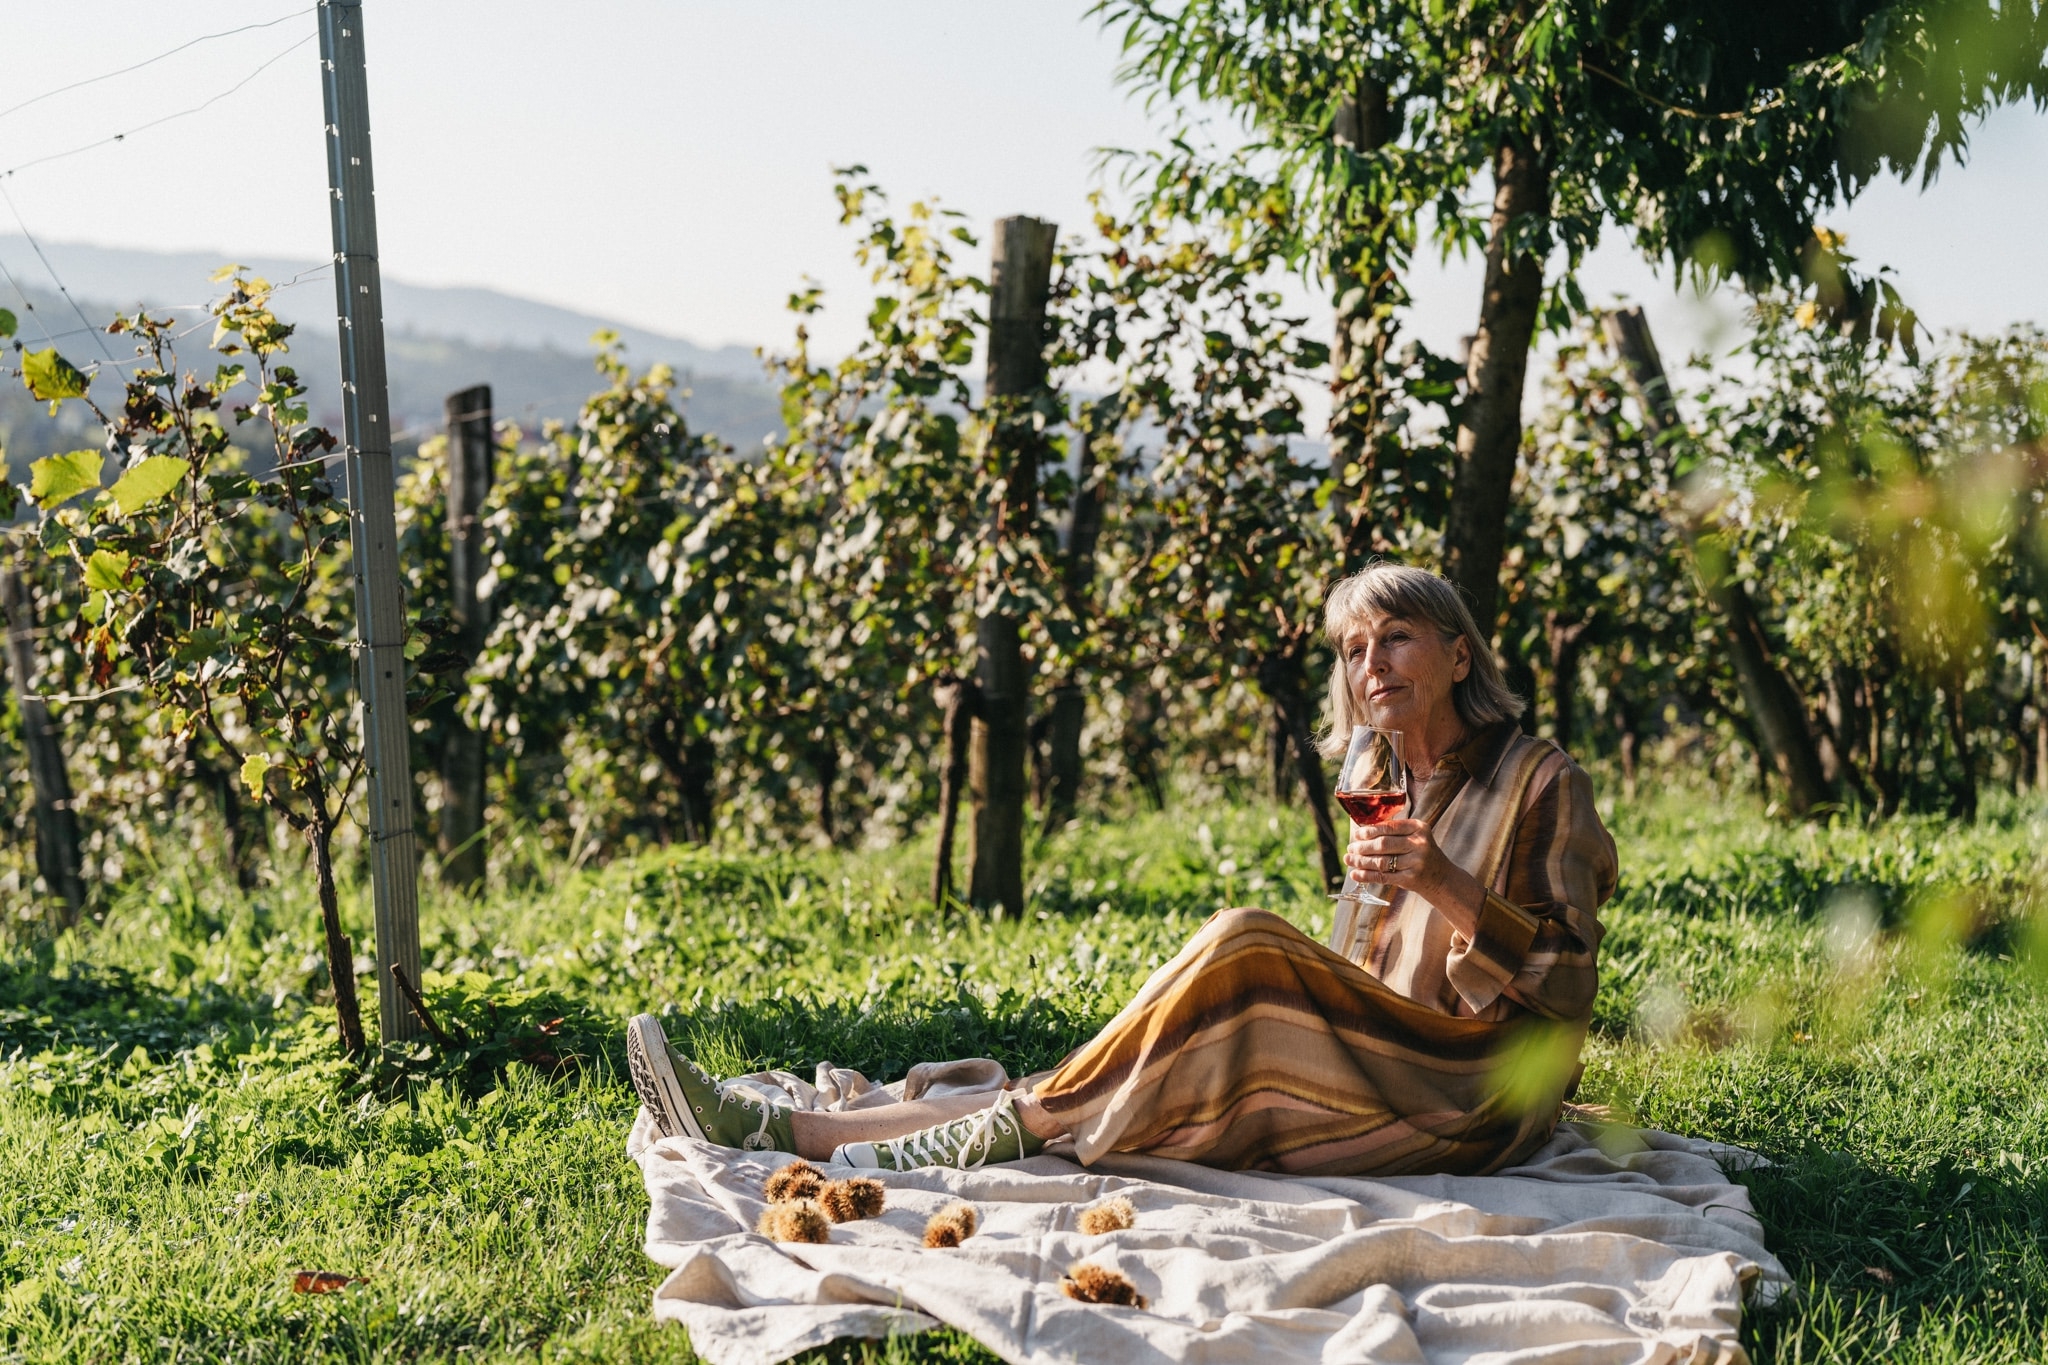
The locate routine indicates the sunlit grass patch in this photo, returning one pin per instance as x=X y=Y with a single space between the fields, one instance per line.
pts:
x=1856 y=1004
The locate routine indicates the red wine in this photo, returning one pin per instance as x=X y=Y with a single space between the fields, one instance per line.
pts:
x=1373 y=807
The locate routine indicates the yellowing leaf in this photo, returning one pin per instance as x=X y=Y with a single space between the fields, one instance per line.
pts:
x=51 y=377
x=57 y=479
x=146 y=482
x=255 y=768
x=107 y=571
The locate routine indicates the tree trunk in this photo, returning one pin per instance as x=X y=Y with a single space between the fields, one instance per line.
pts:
x=1963 y=789
x=1566 y=639
x=1280 y=678
x=1625 y=724
x=471 y=460
x=1758 y=751
x=2022 y=750
x=1280 y=759
x=1141 y=746
x=462 y=803
x=691 y=762
x=341 y=955
x=1361 y=277
x=825 y=763
x=1832 y=731
x=699 y=777
x=1842 y=736
x=1069 y=714
x=1064 y=723
x=1490 y=429
x=56 y=822
x=1774 y=704
x=958 y=702
x=1035 y=750
x=1019 y=280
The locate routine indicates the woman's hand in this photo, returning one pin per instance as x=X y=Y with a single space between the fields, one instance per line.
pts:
x=1404 y=854
x=1399 y=853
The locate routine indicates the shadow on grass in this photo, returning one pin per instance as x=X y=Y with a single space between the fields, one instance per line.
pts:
x=1770 y=884
x=110 y=1010
x=1950 y=1254
x=104 y=1007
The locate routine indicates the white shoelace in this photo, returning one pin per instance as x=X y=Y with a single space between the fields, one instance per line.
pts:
x=928 y=1146
x=759 y=1141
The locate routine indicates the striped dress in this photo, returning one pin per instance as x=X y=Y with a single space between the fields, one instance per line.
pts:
x=1402 y=1047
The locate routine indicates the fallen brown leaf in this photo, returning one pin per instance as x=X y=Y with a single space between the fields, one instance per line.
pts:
x=323 y=1281
x=1880 y=1274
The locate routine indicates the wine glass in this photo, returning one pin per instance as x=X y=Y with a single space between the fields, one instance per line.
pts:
x=1372 y=787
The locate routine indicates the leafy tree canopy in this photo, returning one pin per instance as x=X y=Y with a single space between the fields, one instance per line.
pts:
x=1715 y=132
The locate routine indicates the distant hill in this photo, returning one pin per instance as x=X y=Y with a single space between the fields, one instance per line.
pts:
x=535 y=356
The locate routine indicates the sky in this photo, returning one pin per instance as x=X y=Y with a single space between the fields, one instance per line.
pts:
x=669 y=162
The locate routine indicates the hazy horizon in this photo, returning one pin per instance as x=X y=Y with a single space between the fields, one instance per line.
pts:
x=668 y=165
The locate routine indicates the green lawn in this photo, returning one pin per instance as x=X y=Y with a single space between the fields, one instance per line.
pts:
x=179 y=1138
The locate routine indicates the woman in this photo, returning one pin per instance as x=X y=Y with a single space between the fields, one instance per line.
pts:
x=1437 y=1036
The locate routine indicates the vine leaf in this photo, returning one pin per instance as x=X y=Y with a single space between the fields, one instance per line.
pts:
x=146 y=482
x=56 y=479
x=8 y=323
x=52 y=378
x=255 y=768
x=107 y=571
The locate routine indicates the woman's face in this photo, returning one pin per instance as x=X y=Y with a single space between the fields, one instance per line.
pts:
x=1401 y=672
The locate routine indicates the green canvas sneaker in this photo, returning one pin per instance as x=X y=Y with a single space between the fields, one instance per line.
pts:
x=685 y=1102
x=992 y=1134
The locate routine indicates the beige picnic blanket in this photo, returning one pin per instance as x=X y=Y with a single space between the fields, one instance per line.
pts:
x=1610 y=1245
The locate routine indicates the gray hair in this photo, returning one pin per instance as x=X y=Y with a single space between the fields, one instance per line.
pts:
x=1417 y=595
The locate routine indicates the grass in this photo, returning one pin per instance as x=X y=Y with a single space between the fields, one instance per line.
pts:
x=176 y=1137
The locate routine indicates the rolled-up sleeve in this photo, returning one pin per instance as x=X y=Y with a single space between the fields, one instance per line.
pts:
x=1538 y=939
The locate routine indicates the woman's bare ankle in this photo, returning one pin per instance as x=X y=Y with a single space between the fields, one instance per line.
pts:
x=819 y=1132
x=814 y=1140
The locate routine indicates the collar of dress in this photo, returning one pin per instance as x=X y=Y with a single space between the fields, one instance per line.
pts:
x=1482 y=755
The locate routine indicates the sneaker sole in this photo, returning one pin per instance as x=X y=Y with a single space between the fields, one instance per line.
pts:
x=859 y=1155
x=653 y=1077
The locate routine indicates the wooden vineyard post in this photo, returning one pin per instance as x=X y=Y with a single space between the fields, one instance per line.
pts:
x=373 y=530
x=56 y=822
x=471 y=457
x=1020 y=277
